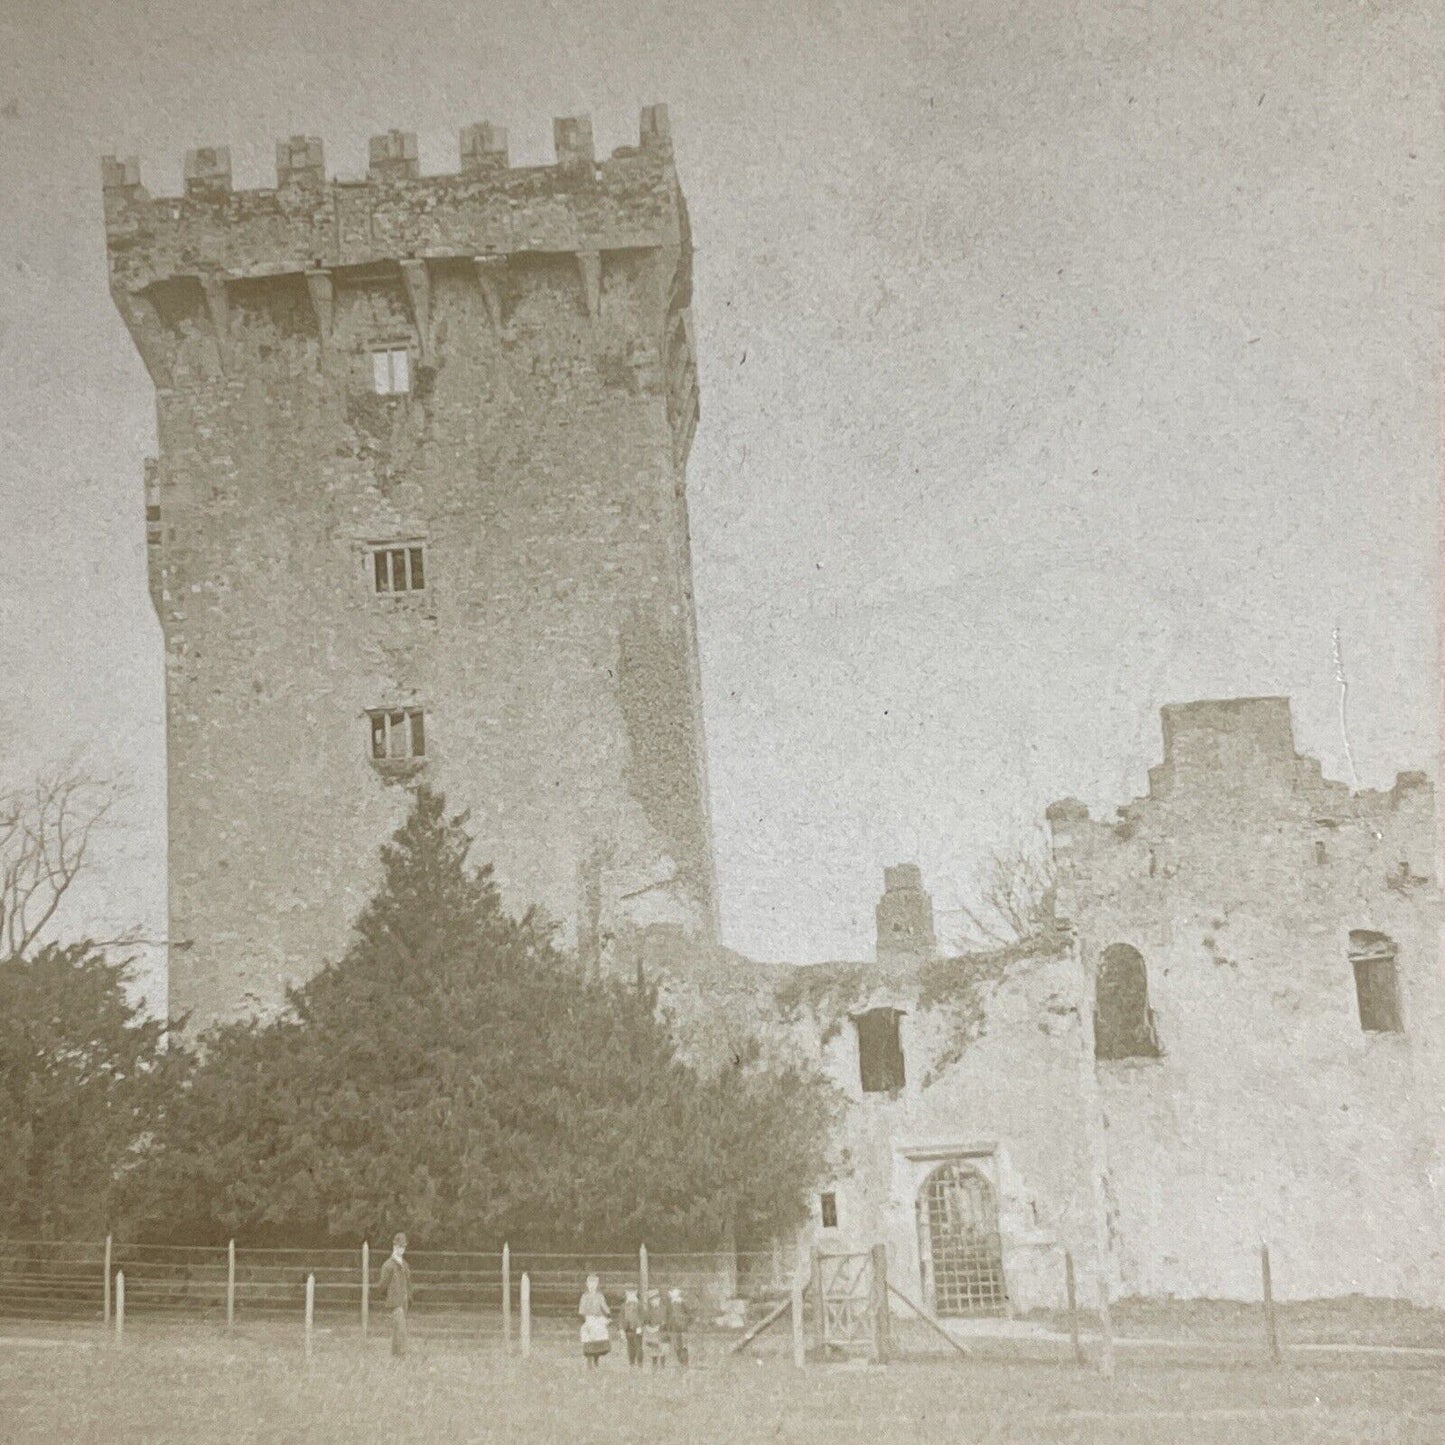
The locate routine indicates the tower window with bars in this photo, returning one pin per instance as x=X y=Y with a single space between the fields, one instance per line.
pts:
x=396 y=569
x=397 y=734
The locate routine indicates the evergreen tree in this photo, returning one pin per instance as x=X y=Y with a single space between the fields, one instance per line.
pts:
x=81 y=1078
x=454 y=1073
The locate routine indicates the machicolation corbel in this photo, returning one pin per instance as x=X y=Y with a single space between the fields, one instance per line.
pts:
x=490 y=272
x=589 y=263
x=417 y=281
x=322 y=293
x=217 y=295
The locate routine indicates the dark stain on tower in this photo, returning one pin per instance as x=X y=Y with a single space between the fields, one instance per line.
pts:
x=419 y=513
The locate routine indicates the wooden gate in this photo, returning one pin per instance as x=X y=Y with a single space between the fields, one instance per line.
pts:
x=845 y=1290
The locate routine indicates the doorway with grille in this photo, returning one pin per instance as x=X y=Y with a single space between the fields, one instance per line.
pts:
x=959 y=1245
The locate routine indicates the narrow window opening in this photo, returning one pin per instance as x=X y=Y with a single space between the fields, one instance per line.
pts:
x=1123 y=1020
x=880 y=1050
x=1373 y=958
x=397 y=734
x=828 y=1207
x=1322 y=854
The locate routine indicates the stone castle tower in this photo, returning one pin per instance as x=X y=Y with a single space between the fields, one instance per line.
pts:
x=419 y=514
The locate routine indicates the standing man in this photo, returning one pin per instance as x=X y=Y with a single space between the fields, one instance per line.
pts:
x=396 y=1281
x=676 y=1319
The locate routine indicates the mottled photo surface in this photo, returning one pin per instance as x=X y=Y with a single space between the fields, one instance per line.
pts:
x=722 y=721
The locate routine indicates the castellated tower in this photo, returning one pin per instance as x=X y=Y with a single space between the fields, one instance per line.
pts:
x=419 y=514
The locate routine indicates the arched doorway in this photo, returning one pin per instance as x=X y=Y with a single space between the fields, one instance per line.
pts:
x=962 y=1255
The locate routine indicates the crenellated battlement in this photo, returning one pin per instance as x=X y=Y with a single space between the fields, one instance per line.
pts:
x=307 y=223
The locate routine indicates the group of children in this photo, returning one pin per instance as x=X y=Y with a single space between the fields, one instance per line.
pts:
x=653 y=1329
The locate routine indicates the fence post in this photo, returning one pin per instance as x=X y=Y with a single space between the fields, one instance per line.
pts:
x=507 y=1295
x=1072 y=1289
x=642 y=1273
x=310 y=1312
x=119 y=1306
x=365 y=1287
x=1271 y=1328
x=819 y=1310
x=230 y=1284
x=800 y=1344
x=526 y=1315
x=882 y=1320
x=1106 y=1331
x=107 y=1281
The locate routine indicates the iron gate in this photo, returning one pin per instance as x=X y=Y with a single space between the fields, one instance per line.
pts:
x=961 y=1249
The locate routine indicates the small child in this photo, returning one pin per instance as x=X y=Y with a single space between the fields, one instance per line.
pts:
x=652 y=1321
x=632 y=1327
x=594 y=1311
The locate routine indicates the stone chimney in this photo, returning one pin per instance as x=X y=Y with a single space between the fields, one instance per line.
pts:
x=905 y=918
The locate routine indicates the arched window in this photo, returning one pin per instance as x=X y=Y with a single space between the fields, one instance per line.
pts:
x=1372 y=956
x=1123 y=1020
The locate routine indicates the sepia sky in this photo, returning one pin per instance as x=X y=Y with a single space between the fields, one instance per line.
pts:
x=1058 y=361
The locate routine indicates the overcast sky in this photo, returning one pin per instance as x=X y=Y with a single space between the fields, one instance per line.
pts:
x=1058 y=361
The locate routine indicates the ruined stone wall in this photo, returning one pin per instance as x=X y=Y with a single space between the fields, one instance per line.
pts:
x=1269 y=1114
x=538 y=455
x=1250 y=1104
x=993 y=1062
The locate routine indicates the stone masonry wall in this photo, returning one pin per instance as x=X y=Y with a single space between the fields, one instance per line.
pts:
x=538 y=456
x=1261 y=1109
x=1270 y=1114
x=993 y=1061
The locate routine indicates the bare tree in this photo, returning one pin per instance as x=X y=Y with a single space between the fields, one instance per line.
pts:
x=46 y=832
x=1012 y=896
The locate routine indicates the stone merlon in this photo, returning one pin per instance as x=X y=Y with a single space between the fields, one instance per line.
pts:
x=309 y=224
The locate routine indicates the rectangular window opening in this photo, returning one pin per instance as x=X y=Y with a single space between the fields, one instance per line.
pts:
x=391 y=371
x=398 y=569
x=828 y=1208
x=397 y=734
x=1377 y=991
x=880 y=1050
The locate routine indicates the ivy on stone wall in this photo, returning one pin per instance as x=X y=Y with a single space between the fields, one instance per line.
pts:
x=962 y=988
x=828 y=992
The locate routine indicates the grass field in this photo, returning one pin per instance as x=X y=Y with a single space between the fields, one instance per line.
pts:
x=195 y=1384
